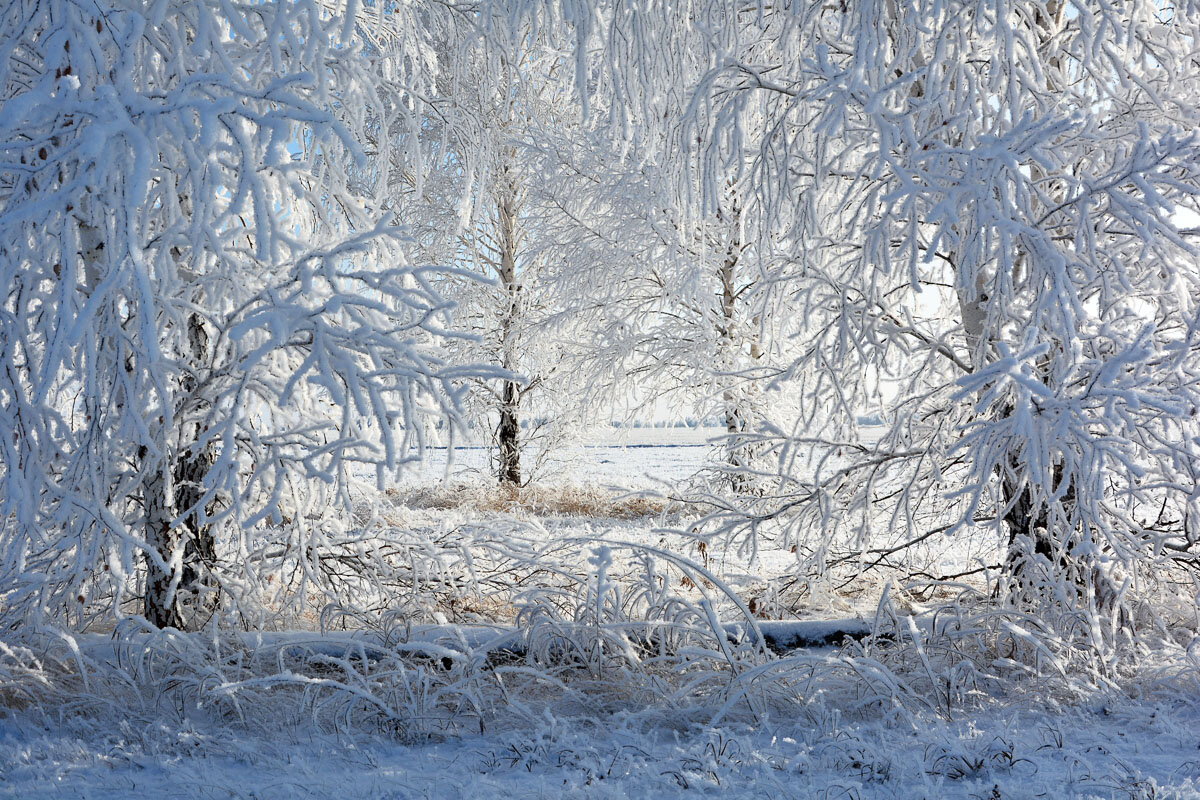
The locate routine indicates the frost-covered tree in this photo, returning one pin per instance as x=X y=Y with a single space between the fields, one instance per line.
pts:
x=207 y=329
x=670 y=303
x=482 y=208
x=672 y=279
x=979 y=207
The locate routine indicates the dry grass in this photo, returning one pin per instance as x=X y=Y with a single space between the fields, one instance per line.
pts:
x=567 y=500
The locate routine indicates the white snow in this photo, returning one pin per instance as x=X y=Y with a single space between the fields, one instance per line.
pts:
x=623 y=458
x=1108 y=749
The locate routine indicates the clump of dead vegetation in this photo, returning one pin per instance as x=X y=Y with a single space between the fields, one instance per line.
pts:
x=566 y=500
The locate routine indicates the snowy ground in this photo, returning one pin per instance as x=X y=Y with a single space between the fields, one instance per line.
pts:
x=1107 y=750
x=662 y=460
x=1141 y=743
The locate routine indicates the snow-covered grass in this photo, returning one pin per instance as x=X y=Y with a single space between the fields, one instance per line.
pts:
x=1107 y=748
x=578 y=640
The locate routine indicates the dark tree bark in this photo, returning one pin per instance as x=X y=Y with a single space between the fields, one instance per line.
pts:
x=508 y=436
x=191 y=468
x=183 y=596
x=1030 y=529
x=160 y=604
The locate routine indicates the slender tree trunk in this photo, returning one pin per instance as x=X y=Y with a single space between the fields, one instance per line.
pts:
x=159 y=601
x=508 y=436
x=735 y=418
x=1029 y=520
x=183 y=596
x=191 y=466
x=1031 y=531
x=739 y=416
x=508 y=432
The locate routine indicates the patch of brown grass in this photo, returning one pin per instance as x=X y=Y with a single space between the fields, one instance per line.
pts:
x=567 y=500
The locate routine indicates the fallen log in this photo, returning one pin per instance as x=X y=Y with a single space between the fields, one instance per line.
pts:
x=443 y=645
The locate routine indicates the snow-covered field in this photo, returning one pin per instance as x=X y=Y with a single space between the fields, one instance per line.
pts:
x=622 y=458
x=831 y=741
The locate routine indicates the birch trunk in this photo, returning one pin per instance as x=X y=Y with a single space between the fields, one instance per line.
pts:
x=738 y=404
x=508 y=432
